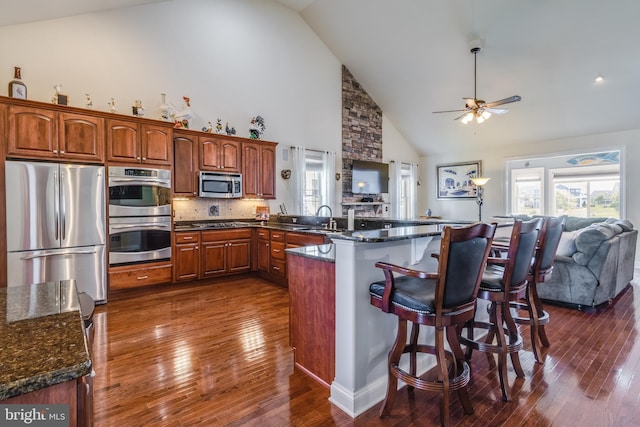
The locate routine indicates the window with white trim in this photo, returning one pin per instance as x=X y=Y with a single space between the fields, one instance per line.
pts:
x=584 y=185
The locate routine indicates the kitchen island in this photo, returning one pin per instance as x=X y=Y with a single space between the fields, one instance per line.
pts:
x=339 y=338
x=44 y=356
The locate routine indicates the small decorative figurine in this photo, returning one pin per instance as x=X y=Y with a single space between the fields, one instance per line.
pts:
x=88 y=103
x=219 y=126
x=112 y=106
x=256 y=127
x=230 y=130
x=208 y=128
x=17 y=88
x=181 y=118
x=164 y=108
x=137 y=109
x=58 y=97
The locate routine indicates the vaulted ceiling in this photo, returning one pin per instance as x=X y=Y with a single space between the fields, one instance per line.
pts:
x=413 y=57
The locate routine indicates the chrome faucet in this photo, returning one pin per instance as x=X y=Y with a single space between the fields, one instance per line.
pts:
x=325 y=206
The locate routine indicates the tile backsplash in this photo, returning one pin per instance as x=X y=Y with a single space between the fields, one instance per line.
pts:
x=198 y=209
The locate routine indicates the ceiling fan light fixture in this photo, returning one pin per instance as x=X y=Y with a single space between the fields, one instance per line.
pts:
x=467 y=118
x=480 y=119
x=485 y=114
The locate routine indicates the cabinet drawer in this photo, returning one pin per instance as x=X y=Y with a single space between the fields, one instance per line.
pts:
x=138 y=277
x=191 y=237
x=229 y=234
x=277 y=236
x=277 y=250
x=278 y=268
x=304 y=239
x=263 y=234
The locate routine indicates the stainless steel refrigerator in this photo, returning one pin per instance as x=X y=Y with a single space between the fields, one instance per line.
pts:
x=56 y=225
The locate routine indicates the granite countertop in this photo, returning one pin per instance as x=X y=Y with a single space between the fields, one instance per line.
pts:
x=391 y=234
x=325 y=253
x=41 y=337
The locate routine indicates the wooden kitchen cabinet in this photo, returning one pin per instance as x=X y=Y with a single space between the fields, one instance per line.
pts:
x=186 y=256
x=136 y=276
x=225 y=252
x=185 y=164
x=296 y=240
x=258 y=169
x=42 y=133
x=129 y=141
x=312 y=316
x=271 y=255
x=211 y=253
x=218 y=153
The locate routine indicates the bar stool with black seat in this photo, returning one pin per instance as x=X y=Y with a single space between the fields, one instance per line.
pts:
x=444 y=300
x=504 y=280
x=541 y=269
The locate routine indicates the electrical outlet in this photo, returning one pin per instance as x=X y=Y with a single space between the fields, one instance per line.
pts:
x=214 y=210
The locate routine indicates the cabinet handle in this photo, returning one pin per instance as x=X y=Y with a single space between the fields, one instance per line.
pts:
x=188 y=237
x=143 y=277
x=144 y=159
x=276 y=250
x=276 y=268
x=55 y=151
x=61 y=151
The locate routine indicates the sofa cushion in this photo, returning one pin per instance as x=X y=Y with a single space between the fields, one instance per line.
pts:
x=589 y=239
x=567 y=245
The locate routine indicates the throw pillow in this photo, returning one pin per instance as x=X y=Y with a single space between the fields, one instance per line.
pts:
x=567 y=245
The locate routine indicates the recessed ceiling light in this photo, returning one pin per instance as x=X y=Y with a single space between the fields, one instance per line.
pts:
x=599 y=79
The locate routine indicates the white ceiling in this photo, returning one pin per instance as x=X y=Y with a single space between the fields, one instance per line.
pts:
x=413 y=58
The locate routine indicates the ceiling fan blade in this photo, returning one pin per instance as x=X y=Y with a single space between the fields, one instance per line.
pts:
x=461 y=116
x=471 y=102
x=514 y=98
x=496 y=110
x=450 y=111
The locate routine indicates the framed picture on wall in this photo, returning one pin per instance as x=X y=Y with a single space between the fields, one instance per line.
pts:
x=454 y=180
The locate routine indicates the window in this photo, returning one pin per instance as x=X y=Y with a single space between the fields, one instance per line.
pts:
x=595 y=192
x=527 y=191
x=313 y=177
x=584 y=185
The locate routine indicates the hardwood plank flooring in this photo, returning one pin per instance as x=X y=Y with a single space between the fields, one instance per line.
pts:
x=218 y=355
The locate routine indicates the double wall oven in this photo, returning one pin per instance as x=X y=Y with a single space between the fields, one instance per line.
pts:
x=139 y=215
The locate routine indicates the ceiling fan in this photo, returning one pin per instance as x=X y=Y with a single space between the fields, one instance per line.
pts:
x=478 y=108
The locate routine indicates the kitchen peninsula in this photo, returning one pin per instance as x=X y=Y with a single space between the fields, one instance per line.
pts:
x=363 y=334
x=44 y=357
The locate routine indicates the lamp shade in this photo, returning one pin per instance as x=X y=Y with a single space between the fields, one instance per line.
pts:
x=479 y=181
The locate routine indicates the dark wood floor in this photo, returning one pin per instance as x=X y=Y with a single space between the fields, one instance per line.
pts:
x=218 y=355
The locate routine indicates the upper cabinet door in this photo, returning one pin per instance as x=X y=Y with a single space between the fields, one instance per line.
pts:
x=123 y=141
x=81 y=137
x=157 y=144
x=230 y=155
x=219 y=154
x=209 y=148
x=185 y=165
x=32 y=132
x=267 y=169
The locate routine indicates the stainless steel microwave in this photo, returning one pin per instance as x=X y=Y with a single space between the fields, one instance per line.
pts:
x=222 y=185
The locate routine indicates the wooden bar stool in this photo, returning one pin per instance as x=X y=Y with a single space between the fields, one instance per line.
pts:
x=505 y=280
x=540 y=271
x=445 y=300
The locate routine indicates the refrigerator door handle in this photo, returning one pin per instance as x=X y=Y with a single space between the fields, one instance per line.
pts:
x=58 y=252
x=63 y=209
x=56 y=204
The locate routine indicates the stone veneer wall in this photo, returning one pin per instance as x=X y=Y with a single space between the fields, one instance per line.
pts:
x=361 y=130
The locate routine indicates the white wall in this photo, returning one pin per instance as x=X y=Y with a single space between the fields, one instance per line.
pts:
x=493 y=162
x=234 y=58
